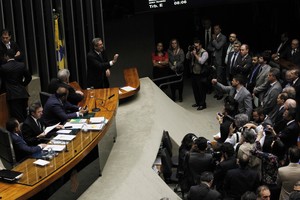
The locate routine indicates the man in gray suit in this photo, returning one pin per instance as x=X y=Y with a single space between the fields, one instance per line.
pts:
x=216 y=47
x=289 y=175
x=272 y=91
x=238 y=92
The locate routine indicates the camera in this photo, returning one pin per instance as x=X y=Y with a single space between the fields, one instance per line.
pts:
x=191 y=47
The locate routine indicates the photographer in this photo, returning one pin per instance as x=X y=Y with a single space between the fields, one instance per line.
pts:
x=199 y=70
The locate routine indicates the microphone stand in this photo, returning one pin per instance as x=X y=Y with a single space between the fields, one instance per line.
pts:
x=95 y=109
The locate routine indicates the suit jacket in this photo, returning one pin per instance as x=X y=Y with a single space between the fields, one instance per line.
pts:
x=15 y=77
x=203 y=192
x=243 y=66
x=56 y=111
x=198 y=163
x=216 y=46
x=230 y=70
x=287 y=177
x=262 y=76
x=30 y=130
x=21 y=147
x=289 y=134
x=221 y=171
x=238 y=181
x=73 y=97
x=96 y=67
x=243 y=97
x=270 y=98
x=295 y=58
x=3 y=50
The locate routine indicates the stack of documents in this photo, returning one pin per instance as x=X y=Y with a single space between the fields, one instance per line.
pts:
x=78 y=121
x=64 y=137
x=97 y=120
x=55 y=147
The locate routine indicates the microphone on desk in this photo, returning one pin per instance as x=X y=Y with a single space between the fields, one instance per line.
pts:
x=95 y=109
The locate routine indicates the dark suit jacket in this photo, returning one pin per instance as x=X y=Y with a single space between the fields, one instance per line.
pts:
x=15 y=77
x=238 y=181
x=21 y=147
x=30 y=130
x=289 y=134
x=203 y=192
x=230 y=70
x=221 y=171
x=243 y=66
x=96 y=67
x=3 y=50
x=198 y=163
x=55 y=111
x=73 y=97
x=295 y=58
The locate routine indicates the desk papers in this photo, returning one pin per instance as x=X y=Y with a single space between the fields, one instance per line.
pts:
x=55 y=147
x=41 y=162
x=64 y=137
x=128 y=88
x=50 y=128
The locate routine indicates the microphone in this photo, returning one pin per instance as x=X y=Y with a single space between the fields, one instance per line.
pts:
x=95 y=109
x=111 y=96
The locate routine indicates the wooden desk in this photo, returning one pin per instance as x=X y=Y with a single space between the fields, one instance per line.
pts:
x=131 y=79
x=36 y=178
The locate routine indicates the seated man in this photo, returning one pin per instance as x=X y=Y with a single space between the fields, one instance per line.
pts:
x=33 y=126
x=58 y=110
x=22 y=149
x=75 y=96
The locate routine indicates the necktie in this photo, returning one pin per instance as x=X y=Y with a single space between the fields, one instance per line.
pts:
x=293 y=51
x=252 y=75
x=233 y=60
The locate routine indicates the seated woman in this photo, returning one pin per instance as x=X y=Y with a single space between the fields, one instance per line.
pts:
x=160 y=60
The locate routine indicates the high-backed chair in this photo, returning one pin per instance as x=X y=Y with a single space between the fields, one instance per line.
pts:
x=44 y=97
x=7 y=153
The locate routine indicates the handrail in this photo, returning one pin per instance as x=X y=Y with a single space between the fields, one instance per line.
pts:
x=170 y=82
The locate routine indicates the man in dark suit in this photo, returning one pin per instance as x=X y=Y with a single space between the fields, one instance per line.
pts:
x=6 y=44
x=98 y=65
x=293 y=80
x=233 y=59
x=203 y=191
x=227 y=162
x=292 y=53
x=15 y=77
x=289 y=134
x=22 y=149
x=199 y=161
x=58 y=110
x=238 y=181
x=33 y=127
x=75 y=96
x=243 y=65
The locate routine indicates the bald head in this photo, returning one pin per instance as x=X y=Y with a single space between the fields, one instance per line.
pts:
x=290 y=103
x=62 y=93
